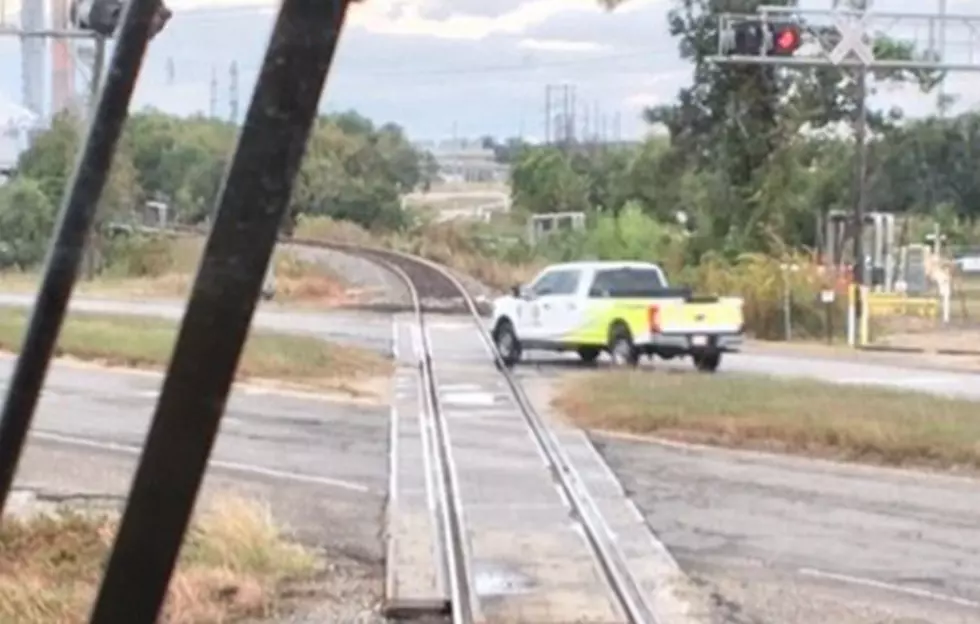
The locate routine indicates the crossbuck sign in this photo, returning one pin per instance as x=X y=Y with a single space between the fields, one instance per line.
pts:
x=854 y=39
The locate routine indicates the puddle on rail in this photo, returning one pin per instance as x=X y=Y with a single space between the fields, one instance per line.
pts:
x=498 y=580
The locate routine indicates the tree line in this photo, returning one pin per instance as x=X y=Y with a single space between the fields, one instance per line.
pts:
x=353 y=170
x=754 y=155
x=924 y=168
x=751 y=157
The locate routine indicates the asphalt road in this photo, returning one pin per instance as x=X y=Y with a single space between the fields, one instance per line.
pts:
x=354 y=327
x=781 y=539
x=340 y=448
x=775 y=539
x=320 y=465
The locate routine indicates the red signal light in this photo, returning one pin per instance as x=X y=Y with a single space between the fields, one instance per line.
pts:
x=786 y=39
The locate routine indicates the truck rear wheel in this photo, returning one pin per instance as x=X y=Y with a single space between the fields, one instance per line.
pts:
x=589 y=354
x=707 y=362
x=621 y=347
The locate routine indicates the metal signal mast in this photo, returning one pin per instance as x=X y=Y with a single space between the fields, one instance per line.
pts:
x=849 y=38
x=73 y=20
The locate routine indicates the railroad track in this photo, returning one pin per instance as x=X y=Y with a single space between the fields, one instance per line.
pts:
x=635 y=576
x=429 y=281
x=437 y=291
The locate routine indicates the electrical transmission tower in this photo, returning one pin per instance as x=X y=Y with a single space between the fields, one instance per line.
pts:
x=559 y=114
x=213 y=110
x=233 y=92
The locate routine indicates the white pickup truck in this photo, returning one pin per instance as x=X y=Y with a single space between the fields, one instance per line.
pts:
x=624 y=308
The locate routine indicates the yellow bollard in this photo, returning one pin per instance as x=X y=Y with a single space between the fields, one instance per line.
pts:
x=865 y=315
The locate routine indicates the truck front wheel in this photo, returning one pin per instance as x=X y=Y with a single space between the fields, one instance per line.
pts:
x=707 y=362
x=508 y=346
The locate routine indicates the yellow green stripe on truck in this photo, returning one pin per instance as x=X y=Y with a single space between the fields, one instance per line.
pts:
x=602 y=313
x=635 y=313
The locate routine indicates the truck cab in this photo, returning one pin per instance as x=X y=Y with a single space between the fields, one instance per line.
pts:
x=626 y=309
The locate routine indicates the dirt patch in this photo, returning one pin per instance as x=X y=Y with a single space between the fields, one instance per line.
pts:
x=853 y=423
x=235 y=565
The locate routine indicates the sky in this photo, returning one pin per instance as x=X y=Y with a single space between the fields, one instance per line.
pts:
x=444 y=68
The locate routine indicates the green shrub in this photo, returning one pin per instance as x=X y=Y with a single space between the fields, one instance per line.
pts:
x=762 y=283
x=139 y=256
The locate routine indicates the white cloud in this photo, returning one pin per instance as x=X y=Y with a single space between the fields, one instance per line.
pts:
x=376 y=16
x=561 y=45
x=639 y=101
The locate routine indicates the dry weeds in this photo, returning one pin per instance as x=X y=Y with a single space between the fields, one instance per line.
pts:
x=854 y=423
x=297 y=281
x=235 y=565
x=140 y=342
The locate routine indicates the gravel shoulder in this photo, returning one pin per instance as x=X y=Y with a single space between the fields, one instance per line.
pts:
x=369 y=281
x=781 y=539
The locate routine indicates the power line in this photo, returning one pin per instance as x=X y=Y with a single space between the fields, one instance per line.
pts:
x=478 y=70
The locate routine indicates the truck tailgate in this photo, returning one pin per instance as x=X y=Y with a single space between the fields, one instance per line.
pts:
x=718 y=317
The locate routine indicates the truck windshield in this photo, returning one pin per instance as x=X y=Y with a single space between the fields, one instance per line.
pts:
x=627 y=283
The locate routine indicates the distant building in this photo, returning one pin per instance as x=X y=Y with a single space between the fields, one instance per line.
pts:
x=463 y=160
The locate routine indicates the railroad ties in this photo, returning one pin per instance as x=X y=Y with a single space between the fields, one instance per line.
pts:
x=495 y=516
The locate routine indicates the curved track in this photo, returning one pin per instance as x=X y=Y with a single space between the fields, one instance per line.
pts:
x=428 y=281
x=433 y=287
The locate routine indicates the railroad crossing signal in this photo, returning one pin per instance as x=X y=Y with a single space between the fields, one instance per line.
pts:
x=750 y=38
x=841 y=38
x=102 y=16
x=854 y=39
x=786 y=39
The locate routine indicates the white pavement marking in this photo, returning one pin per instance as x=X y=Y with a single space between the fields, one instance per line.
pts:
x=468 y=399
x=912 y=591
x=450 y=325
x=216 y=463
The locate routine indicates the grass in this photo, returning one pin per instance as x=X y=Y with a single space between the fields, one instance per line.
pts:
x=165 y=268
x=235 y=565
x=853 y=423
x=140 y=342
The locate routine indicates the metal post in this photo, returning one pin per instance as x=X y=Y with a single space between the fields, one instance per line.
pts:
x=942 y=55
x=787 y=309
x=70 y=237
x=860 y=134
x=98 y=69
x=251 y=206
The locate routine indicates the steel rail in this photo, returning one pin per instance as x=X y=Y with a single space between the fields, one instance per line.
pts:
x=598 y=535
x=452 y=530
x=417 y=272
